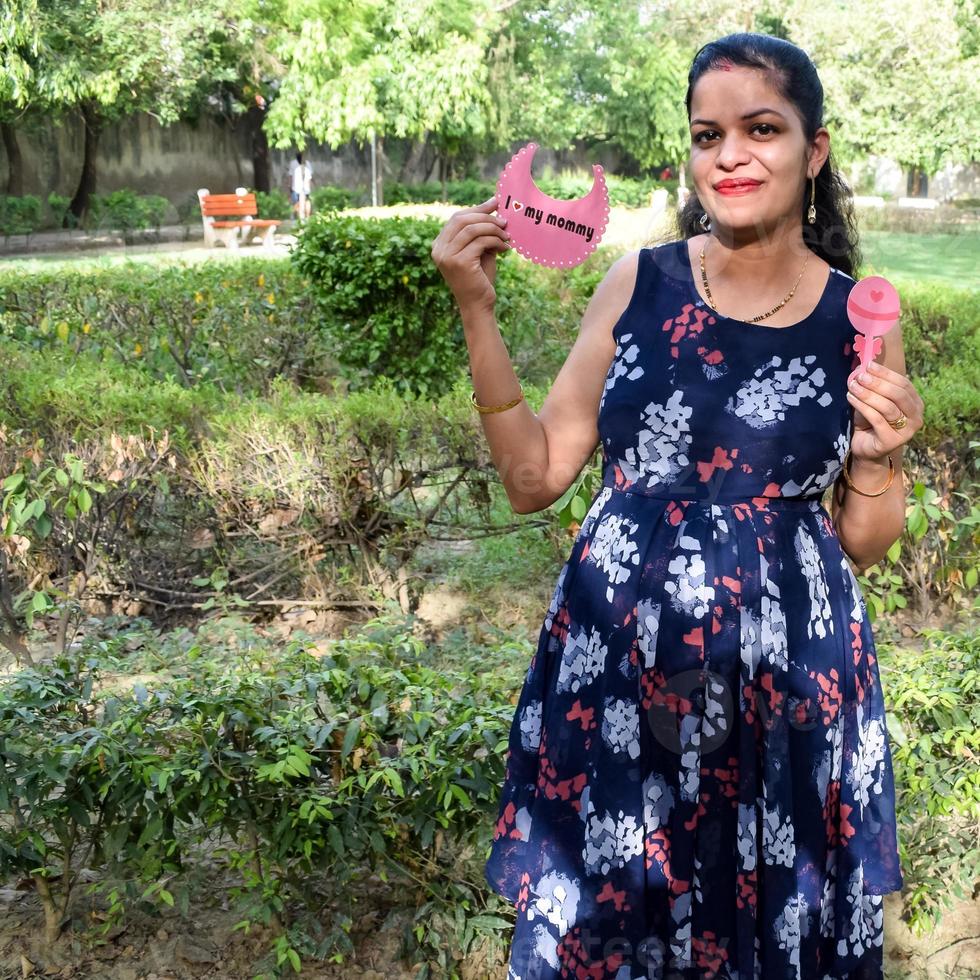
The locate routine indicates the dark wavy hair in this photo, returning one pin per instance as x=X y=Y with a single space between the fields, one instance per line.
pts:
x=791 y=73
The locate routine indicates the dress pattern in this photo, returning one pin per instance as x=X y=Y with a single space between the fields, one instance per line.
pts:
x=699 y=782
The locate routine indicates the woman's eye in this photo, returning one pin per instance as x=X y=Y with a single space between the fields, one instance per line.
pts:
x=710 y=132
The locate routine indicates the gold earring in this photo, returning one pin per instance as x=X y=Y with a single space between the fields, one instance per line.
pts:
x=811 y=214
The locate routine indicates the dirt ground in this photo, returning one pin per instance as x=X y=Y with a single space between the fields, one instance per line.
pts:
x=167 y=947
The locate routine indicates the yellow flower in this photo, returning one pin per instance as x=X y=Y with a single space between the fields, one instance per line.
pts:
x=86 y=328
x=138 y=349
x=261 y=279
x=271 y=298
x=198 y=298
x=404 y=280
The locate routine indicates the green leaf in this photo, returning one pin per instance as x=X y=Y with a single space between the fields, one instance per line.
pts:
x=350 y=737
x=13 y=482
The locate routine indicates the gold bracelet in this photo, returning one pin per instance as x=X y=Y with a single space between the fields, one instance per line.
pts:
x=891 y=476
x=486 y=409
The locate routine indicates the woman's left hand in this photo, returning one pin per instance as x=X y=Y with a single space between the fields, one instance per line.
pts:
x=884 y=397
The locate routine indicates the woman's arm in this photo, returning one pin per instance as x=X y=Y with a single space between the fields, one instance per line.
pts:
x=539 y=455
x=868 y=526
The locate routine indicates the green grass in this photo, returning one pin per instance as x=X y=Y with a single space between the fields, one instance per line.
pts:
x=942 y=259
x=167 y=254
x=927 y=257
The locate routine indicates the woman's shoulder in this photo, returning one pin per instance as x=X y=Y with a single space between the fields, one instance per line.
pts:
x=841 y=275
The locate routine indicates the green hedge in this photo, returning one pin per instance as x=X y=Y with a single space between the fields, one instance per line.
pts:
x=235 y=325
x=941 y=337
x=126 y=211
x=623 y=191
x=383 y=303
x=19 y=215
x=378 y=307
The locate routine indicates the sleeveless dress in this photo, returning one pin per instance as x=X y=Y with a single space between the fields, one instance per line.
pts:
x=699 y=781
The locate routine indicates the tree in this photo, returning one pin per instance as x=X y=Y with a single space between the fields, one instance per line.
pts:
x=19 y=43
x=599 y=72
x=383 y=67
x=111 y=58
x=901 y=80
x=247 y=71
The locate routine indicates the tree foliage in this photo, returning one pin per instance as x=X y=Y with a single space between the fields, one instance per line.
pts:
x=472 y=77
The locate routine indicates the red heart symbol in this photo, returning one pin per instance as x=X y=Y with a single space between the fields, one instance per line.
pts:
x=517 y=205
x=876 y=295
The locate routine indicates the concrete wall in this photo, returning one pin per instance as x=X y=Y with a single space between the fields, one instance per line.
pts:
x=176 y=160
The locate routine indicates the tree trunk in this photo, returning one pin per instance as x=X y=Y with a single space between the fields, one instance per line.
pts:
x=86 y=184
x=261 y=161
x=52 y=917
x=433 y=163
x=381 y=171
x=412 y=160
x=15 y=163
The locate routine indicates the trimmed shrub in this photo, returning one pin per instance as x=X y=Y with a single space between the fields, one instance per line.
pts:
x=127 y=212
x=384 y=306
x=58 y=206
x=329 y=198
x=273 y=205
x=19 y=215
x=623 y=191
x=237 y=325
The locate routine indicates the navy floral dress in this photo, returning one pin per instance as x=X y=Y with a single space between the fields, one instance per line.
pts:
x=699 y=782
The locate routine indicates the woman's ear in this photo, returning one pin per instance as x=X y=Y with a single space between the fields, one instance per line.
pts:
x=819 y=150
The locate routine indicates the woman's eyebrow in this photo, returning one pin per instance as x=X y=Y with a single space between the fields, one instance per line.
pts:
x=748 y=115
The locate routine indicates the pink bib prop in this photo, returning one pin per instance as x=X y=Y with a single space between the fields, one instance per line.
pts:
x=873 y=309
x=560 y=234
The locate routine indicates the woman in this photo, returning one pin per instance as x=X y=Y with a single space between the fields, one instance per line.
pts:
x=699 y=782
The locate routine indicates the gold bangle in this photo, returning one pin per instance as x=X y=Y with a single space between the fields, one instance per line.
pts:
x=486 y=409
x=891 y=476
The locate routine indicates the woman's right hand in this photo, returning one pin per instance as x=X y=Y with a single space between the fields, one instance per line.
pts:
x=465 y=252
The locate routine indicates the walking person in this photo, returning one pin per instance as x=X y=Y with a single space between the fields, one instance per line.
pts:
x=300 y=186
x=699 y=782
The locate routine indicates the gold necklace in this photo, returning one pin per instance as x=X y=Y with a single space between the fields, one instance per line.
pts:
x=761 y=316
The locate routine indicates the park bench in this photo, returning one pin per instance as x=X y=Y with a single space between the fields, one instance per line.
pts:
x=231 y=218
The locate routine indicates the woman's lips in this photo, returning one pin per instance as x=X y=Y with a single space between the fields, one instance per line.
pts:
x=733 y=191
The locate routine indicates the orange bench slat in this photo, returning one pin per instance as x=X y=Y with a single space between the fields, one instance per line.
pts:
x=226 y=198
x=230 y=209
x=261 y=223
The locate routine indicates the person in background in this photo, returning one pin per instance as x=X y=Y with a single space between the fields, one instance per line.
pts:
x=300 y=185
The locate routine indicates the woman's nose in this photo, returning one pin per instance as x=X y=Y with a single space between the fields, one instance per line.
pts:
x=732 y=151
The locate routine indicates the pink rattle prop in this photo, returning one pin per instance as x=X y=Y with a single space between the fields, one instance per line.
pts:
x=873 y=309
x=550 y=232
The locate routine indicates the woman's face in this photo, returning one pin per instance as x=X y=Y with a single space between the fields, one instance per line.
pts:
x=768 y=149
